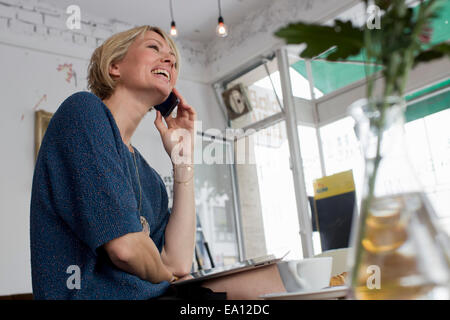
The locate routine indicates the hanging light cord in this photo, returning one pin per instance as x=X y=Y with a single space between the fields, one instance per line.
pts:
x=171 y=10
x=220 y=9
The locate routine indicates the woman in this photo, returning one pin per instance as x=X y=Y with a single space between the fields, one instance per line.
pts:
x=100 y=224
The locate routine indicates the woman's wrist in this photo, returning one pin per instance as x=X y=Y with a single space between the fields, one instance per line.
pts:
x=183 y=173
x=183 y=166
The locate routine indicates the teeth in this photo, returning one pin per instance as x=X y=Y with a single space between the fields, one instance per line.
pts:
x=162 y=71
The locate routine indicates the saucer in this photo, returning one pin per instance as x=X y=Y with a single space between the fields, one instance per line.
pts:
x=323 y=294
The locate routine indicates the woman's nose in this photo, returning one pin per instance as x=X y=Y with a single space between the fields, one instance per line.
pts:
x=168 y=58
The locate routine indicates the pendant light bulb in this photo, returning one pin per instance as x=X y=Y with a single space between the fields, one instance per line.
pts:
x=221 y=29
x=173 y=29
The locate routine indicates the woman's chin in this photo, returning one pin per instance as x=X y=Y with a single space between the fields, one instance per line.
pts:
x=164 y=94
x=163 y=88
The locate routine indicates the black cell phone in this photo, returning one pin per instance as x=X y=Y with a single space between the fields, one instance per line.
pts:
x=167 y=106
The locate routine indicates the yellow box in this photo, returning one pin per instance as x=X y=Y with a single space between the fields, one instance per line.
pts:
x=333 y=185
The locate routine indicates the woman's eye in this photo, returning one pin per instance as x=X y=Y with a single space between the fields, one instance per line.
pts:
x=154 y=47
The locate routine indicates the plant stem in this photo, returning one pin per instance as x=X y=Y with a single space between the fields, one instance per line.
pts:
x=366 y=203
x=395 y=76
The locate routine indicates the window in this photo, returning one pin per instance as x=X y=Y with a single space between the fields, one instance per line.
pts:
x=300 y=84
x=311 y=168
x=214 y=203
x=268 y=201
x=310 y=156
x=260 y=93
x=263 y=99
x=276 y=188
x=429 y=147
x=266 y=190
x=341 y=150
x=428 y=141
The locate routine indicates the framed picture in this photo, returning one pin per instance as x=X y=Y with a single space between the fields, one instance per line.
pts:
x=236 y=101
x=41 y=121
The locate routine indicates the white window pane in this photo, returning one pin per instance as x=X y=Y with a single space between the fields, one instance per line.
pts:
x=419 y=152
x=342 y=151
x=429 y=149
x=276 y=187
x=310 y=156
x=214 y=207
x=300 y=85
x=439 y=138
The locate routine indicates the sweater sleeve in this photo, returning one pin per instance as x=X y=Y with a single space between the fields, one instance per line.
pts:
x=91 y=188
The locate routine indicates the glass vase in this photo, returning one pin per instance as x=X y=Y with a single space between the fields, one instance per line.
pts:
x=397 y=249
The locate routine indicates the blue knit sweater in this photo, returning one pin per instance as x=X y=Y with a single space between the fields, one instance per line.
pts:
x=85 y=193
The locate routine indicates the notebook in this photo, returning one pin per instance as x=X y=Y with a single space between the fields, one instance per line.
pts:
x=217 y=272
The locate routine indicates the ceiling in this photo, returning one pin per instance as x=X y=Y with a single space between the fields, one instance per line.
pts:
x=196 y=20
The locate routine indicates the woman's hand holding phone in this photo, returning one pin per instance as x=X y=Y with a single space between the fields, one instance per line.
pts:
x=177 y=133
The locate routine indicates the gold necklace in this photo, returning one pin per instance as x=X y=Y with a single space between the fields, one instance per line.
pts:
x=144 y=223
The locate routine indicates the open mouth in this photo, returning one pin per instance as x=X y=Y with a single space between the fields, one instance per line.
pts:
x=163 y=72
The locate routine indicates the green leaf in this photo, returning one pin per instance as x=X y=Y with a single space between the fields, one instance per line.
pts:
x=435 y=52
x=346 y=39
x=383 y=4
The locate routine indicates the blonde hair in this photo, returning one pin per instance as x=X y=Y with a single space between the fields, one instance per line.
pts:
x=113 y=50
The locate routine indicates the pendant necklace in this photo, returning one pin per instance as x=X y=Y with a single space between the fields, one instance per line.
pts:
x=144 y=223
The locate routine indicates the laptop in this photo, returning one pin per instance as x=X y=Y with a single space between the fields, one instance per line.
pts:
x=217 y=272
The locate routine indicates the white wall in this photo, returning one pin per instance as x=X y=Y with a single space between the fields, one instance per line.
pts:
x=29 y=77
x=33 y=43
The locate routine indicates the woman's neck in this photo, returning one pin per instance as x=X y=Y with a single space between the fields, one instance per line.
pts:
x=128 y=111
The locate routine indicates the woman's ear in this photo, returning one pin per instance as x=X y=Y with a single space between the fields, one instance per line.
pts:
x=114 y=70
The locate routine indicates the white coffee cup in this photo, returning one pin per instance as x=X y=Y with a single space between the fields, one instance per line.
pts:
x=307 y=274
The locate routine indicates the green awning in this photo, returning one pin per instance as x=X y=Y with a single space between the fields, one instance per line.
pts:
x=427 y=90
x=331 y=76
x=428 y=106
x=441 y=24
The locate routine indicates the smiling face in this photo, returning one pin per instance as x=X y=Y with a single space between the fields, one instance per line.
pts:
x=148 y=68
